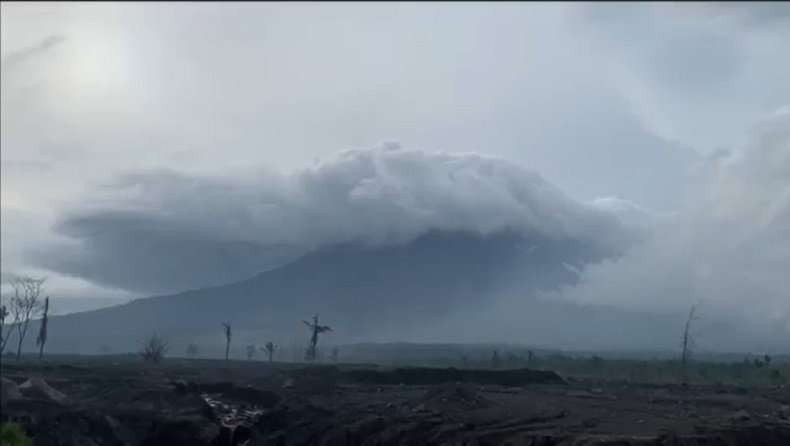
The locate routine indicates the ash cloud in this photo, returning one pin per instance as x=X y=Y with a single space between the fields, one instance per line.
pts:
x=166 y=231
x=729 y=248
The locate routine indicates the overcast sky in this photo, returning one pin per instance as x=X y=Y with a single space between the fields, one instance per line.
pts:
x=678 y=111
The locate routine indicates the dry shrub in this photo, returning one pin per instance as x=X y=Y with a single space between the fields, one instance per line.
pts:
x=154 y=348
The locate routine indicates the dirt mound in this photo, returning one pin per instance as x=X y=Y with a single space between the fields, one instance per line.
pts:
x=37 y=388
x=432 y=376
x=462 y=395
x=9 y=391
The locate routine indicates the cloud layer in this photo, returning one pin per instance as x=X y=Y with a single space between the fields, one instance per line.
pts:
x=164 y=231
x=729 y=248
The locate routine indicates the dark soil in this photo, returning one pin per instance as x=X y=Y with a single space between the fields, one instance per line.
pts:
x=179 y=402
x=428 y=376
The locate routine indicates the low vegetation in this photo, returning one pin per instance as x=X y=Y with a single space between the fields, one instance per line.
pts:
x=154 y=348
x=11 y=434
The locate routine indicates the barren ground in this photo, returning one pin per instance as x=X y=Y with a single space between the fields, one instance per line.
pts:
x=123 y=401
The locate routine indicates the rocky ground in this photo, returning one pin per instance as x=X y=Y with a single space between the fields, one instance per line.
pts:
x=106 y=401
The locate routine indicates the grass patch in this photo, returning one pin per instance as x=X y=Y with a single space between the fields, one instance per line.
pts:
x=12 y=434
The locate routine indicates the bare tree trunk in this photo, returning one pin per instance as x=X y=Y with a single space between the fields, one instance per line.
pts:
x=687 y=340
x=42 y=333
x=24 y=305
x=21 y=330
x=315 y=329
x=4 y=335
x=227 y=339
x=21 y=337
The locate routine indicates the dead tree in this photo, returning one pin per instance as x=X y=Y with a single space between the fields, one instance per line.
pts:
x=495 y=361
x=335 y=353
x=42 y=332
x=154 y=348
x=24 y=305
x=688 y=343
x=226 y=326
x=192 y=350
x=269 y=349
x=3 y=335
x=315 y=330
x=250 y=352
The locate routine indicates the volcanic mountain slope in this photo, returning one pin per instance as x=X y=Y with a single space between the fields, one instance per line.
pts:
x=360 y=288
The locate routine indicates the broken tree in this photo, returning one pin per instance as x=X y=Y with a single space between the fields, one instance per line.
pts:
x=315 y=330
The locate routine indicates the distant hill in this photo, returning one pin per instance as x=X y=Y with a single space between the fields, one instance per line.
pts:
x=443 y=287
x=363 y=291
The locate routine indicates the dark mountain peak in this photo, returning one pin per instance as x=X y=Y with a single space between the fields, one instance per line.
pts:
x=352 y=284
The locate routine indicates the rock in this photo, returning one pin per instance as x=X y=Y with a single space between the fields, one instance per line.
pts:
x=288 y=384
x=783 y=412
x=590 y=422
x=182 y=386
x=37 y=388
x=367 y=427
x=9 y=391
x=741 y=415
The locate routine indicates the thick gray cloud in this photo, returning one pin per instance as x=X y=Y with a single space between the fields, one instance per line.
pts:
x=163 y=231
x=728 y=248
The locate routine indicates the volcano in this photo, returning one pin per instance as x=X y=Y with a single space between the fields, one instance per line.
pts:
x=359 y=287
